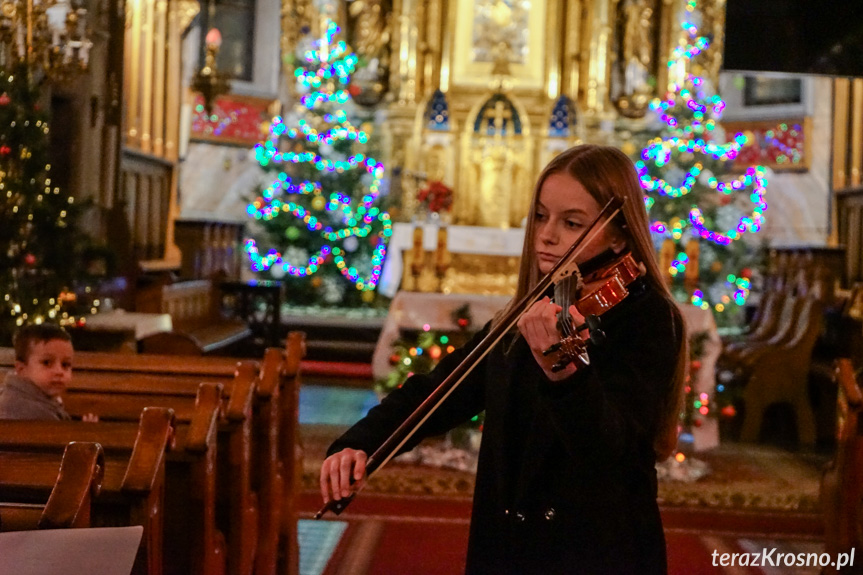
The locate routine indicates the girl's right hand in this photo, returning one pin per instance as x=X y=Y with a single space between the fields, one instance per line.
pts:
x=336 y=474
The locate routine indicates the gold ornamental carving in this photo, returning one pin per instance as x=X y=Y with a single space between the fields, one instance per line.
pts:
x=634 y=58
x=369 y=34
x=472 y=94
x=186 y=10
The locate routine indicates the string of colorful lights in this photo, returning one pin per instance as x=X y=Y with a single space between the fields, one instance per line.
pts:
x=690 y=114
x=29 y=197
x=329 y=63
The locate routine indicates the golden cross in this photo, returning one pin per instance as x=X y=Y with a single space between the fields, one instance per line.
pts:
x=499 y=115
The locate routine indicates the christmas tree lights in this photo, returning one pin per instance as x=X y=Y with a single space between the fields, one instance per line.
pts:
x=699 y=214
x=36 y=236
x=324 y=198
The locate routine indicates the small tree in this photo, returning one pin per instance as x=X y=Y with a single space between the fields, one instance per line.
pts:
x=323 y=205
x=36 y=236
x=698 y=213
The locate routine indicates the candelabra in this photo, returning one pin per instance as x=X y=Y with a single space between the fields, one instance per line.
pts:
x=48 y=37
x=209 y=81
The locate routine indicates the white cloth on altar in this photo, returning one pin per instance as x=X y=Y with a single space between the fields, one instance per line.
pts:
x=460 y=240
x=414 y=310
x=143 y=324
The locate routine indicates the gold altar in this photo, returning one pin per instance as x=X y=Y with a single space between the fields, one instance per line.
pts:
x=481 y=94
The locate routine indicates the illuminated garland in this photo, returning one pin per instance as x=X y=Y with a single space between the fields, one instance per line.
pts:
x=789 y=153
x=330 y=60
x=740 y=287
x=698 y=124
x=688 y=96
x=659 y=152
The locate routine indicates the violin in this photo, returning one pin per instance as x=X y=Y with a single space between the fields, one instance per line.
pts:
x=615 y=276
x=564 y=268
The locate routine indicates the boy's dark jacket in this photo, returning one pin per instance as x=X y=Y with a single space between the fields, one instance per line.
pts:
x=566 y=481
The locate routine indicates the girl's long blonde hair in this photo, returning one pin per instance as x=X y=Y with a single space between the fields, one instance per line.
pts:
x=607 y=172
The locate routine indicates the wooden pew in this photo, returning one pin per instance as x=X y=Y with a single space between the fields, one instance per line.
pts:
x=193 y=544
x=269 y=481
x=221 y=486
x=781 y=375
x=273 y=444
x=134 y=478
x=114 y=386
x=79 y=480
x=278 y=398
x=842 y=481
x=199 y=327
x=291 y=451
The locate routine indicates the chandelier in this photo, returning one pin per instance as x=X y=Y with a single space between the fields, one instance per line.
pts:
x=48 y=37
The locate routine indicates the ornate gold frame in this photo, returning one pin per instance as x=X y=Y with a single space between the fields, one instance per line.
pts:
x=467 y=73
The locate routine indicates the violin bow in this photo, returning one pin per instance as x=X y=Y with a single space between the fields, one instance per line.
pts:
x=565 y=267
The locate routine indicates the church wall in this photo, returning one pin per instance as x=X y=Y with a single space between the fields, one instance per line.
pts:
x=216 y=181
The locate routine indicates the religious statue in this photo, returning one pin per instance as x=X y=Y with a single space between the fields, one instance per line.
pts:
x=495 y=187
x=370 y=39
x=635 y=50
x=497 y=21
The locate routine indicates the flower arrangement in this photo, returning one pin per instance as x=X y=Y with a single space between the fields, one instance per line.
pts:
x=436 y=197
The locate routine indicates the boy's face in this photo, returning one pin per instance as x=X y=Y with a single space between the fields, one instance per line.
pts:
x=49 y=366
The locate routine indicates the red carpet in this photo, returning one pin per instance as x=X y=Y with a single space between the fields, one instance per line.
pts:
x=337 y=369
x=397 y=535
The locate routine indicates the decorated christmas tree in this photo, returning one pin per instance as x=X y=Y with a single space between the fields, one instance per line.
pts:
x=319 y=225
x=699 y=212
x=36 y=236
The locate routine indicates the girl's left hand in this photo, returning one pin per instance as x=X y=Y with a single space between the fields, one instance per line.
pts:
x=538 y=325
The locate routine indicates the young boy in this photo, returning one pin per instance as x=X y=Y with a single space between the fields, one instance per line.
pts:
x=43 y=369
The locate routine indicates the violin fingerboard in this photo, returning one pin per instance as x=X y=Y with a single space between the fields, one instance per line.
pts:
x=563 y=291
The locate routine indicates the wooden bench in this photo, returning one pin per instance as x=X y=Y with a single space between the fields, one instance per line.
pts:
x=291 y=450
x=198 y=325
x=780 y=375
x=193 y=542
x=79 y=480
x=132 y=491
x=278 y=408
x=229 y=504
x=842 y=481
x=266 y=440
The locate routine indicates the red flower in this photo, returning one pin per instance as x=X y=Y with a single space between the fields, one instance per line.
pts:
x=436 y=196
x=4 y=150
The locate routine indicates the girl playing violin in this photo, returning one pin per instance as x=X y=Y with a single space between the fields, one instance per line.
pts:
x=566 y=481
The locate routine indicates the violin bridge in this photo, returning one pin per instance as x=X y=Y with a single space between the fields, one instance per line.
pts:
x=570 y=276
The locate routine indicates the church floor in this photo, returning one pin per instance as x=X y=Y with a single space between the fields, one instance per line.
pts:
x=415 y=519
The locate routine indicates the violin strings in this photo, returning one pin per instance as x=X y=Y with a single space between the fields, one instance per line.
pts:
x=562 y=294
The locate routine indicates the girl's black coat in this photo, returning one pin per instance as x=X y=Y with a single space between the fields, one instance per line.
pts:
x=566 y=480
